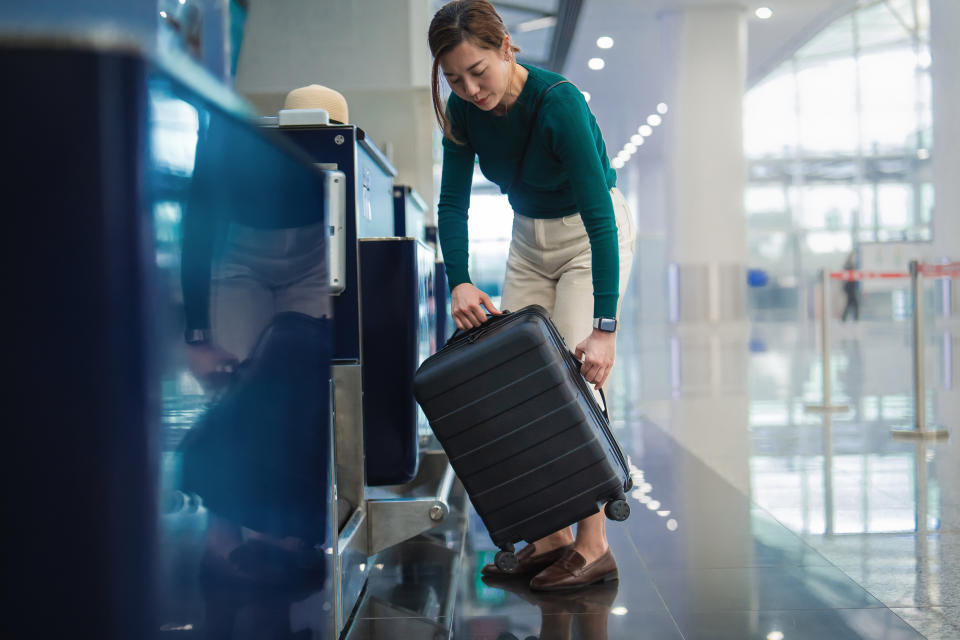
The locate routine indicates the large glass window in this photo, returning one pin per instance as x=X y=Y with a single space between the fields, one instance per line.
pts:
x=837 y=139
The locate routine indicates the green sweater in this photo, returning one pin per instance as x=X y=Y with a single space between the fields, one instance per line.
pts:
x=566 y=171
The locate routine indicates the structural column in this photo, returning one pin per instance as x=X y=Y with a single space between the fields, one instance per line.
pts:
x=705 y=81
x=944 y=71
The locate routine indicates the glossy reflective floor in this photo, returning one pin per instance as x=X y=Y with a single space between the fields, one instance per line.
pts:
x=819 y=519
x=752 y=518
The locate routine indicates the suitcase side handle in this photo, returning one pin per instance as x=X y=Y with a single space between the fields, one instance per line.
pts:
x=603 y=396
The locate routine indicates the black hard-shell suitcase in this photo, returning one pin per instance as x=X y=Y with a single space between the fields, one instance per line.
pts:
x=522 y=429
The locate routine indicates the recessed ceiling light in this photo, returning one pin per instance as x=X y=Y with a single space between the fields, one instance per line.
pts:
x=617 y=163
x=654 y=120
x=596 y=63
x=536 y=24
x=764 y=13
x=662 y=108
x=605 y=42
x=636 y=138
x=645 y=130
x=630 y=148
x=586 y=95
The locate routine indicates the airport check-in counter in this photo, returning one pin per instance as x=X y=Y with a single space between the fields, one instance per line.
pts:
x=444 y=325
x=171 y=206
x=410 y=220
x=389 y=489
x=409 y=213
x=178 y=213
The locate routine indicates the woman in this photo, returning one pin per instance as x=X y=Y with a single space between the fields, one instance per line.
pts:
x=572 y=242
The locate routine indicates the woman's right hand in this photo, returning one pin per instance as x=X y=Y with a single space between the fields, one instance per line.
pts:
x=465 y=306
x=210 y=364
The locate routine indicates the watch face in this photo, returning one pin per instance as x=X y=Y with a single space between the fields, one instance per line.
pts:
x=606 y=324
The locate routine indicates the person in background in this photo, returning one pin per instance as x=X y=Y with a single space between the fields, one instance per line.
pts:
x=850 y=290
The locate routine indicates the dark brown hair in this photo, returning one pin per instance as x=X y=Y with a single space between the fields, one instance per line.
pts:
x=459 y=20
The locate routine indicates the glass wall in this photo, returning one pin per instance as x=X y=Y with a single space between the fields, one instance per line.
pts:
x=838 y=144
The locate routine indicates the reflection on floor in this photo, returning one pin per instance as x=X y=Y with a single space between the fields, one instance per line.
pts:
x=752 y=519
x=697 y=560
x=884 y=512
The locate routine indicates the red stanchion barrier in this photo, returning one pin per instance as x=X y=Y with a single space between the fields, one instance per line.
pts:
x=919 y=428
x=948 y=270
x=867 y=275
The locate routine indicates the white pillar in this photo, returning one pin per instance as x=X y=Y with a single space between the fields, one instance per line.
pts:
x=706 y=79
x=944 y=72
x=374 y=52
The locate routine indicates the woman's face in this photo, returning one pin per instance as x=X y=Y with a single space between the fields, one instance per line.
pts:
x=478 y=75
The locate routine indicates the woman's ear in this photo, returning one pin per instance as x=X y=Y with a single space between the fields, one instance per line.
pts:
x=505 y=48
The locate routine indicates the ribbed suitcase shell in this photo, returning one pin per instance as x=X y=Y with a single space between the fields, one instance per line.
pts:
x=521 y=427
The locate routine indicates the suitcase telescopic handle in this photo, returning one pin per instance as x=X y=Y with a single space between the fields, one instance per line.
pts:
x=603 y=396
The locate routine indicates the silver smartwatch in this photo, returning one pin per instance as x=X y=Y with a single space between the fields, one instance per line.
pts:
x=609 y=325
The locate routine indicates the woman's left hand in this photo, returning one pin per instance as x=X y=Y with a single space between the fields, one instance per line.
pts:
x=596 y=353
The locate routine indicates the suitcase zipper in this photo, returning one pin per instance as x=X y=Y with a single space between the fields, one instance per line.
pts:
x=614 y=445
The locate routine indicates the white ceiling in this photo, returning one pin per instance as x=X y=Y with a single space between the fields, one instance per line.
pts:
x=631 y=84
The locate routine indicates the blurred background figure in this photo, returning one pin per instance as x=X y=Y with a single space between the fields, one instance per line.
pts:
x=850 y=289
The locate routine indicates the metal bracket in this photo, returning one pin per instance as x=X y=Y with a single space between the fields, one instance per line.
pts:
x=390 y=521
x=349 y=438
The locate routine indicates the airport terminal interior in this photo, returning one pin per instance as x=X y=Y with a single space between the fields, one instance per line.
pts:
x=227 y=272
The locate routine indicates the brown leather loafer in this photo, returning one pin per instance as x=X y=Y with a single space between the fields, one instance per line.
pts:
x=571 y=571
x=527 y=562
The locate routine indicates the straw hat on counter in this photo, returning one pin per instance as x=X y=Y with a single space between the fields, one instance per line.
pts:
x=317 y=96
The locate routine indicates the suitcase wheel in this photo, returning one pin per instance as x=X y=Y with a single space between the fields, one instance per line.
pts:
x=506 y=561
x=617 y=510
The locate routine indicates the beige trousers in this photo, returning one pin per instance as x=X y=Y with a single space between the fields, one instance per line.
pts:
x=549 y=265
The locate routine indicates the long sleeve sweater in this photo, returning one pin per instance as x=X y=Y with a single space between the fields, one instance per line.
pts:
x=566 y=170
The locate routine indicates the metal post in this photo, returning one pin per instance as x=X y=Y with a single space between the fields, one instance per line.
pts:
x=827 y=405
x=829 y=518
x=919 y=427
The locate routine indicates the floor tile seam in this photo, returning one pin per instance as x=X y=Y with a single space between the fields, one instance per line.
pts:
x=437 y=619
x=832 y=564
x=696 y=612
x=904 y=620
x=756 y=505
x=921 y=606
x=597 y=613
x=663 y=569
x=753 y=502
x=656 y=589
